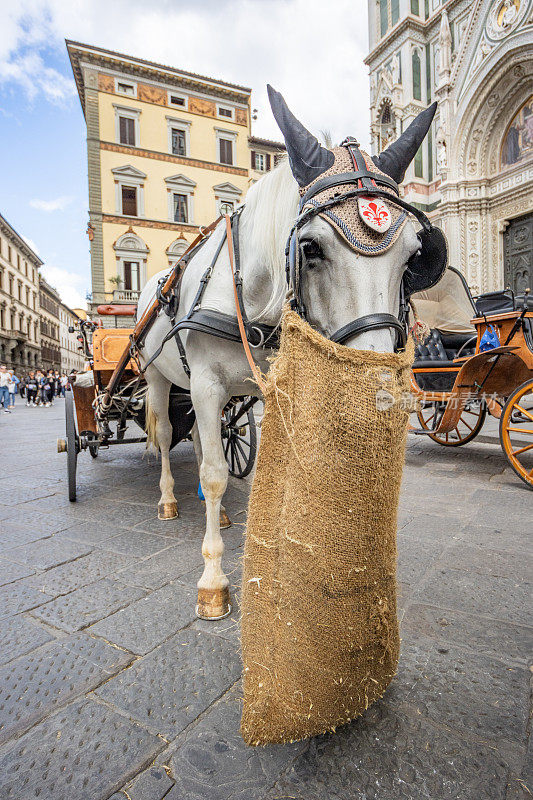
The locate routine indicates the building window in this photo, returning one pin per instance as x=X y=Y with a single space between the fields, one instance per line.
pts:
x=419 y=163
x=179 y=206
x=227 y=196
x=27 y=296
x=179 y=146
x=226 y=112
x=180 y=190
x=225 y=151
x=18 y=261
x=394 y=11
x=132 y=276
x=179 y=100
x=260 y=161
x=129 y=190
x=11 y=285
x=127 y=125
x=129 y=201
x=9 y=253
x=131 y=254
x=127 y=130
x=417 y=80
x=415 y=7
x=125 y=87
x=383 y=16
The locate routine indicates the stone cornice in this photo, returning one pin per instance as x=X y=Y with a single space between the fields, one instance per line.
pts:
x=10 y=233
x=141 y=222
x=190 y=162
x=140 y=68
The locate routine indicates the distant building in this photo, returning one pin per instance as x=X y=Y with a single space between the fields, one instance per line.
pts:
x=49 y=311
x=167 y=153
x=71 y=356
x=20 y=340
x=264 y=155
x=473 y=174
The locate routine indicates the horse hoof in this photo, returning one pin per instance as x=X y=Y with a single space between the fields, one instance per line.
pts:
x=167 y=510
x=213 y=603
x=225 y=521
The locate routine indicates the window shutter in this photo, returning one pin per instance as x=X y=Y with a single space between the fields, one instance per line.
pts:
x=253 y=159
x=267 y=162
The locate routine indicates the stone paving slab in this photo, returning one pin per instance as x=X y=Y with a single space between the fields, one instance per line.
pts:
x=9 y=571
x=148 y=622
x=501 y=537
x=17 y=597
x=35 y=684
x=15 y=534
x=461 y=690
x=18 y=636
x=485 y=636
x=488 y=595
x=75 y=574
x=163 y=567
x=91 y=533
x=87 y=605
x=46 y=553
x=170 y=687
x=153 y=784
x=212 y=762
x=393 y=755
x=473 y=558
x=82 y=753
x=137 y=543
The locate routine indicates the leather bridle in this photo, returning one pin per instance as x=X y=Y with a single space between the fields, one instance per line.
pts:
x=366 y=183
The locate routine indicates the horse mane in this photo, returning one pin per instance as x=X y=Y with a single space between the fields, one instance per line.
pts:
x=271 y=207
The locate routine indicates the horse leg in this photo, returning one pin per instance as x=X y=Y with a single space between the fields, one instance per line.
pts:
x=213 y=592
x=225 y=521
x=160 y=431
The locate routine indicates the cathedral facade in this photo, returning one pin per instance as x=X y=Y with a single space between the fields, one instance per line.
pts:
x=473 y=175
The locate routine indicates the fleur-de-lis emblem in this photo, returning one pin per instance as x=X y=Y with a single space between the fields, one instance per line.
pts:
x=375 y=213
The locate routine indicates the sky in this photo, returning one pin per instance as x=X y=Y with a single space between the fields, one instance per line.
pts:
x=310 y=50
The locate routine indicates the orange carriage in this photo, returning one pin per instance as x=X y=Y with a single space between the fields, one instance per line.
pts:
x=478 y=360
x=104 y=347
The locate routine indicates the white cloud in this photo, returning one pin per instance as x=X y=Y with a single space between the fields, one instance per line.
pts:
x=310 y=50
x=71 y=287
x=59 y=204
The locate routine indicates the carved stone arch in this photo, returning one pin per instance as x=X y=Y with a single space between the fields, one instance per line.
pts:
x=131 y=241
x=484 y=112
x=176 y=249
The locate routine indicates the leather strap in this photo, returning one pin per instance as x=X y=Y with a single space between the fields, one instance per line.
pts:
x=253 y=366
x=369 y=322
x=348 y=177
x=148 y=318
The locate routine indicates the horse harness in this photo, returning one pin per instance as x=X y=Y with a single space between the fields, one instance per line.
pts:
x=425 y=267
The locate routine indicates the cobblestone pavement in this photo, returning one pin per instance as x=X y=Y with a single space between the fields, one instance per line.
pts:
x=111 y=688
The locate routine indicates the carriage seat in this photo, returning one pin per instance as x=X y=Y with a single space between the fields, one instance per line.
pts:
x=440 y=349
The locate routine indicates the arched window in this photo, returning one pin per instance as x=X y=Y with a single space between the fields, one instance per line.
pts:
x=517 y=142
x=176 y=249
x=387 y=126
x=417 y=77
x=131 y=254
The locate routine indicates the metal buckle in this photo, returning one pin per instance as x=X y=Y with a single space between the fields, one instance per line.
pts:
x=261 y=338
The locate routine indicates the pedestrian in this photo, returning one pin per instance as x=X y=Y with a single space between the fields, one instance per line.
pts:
x=32 y=387
x=57 y=383
x=4 y=391
x=64 y=382
x=12 y=388
x=47 y=388
x=22 y=386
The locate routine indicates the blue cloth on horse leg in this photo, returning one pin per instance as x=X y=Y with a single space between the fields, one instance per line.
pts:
x=200 y=493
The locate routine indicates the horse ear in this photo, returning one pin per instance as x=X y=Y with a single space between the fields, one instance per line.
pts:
x=308 y=159
x=396 y=158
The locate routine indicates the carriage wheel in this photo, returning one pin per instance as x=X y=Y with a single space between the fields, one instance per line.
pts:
x=73 y=445
x=469 y=425
x=239 y=436
x=516 y=431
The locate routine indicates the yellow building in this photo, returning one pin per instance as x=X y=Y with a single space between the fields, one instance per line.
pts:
x=167 y=152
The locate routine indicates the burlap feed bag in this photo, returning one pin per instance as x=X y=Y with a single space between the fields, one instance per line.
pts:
x=319 y=628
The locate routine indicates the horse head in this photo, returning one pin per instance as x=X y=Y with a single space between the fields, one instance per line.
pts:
x=354 y=245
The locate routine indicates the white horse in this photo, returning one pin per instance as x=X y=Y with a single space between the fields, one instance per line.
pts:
x=339 y=285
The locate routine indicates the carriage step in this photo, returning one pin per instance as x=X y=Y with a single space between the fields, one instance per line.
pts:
x=419 y=431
